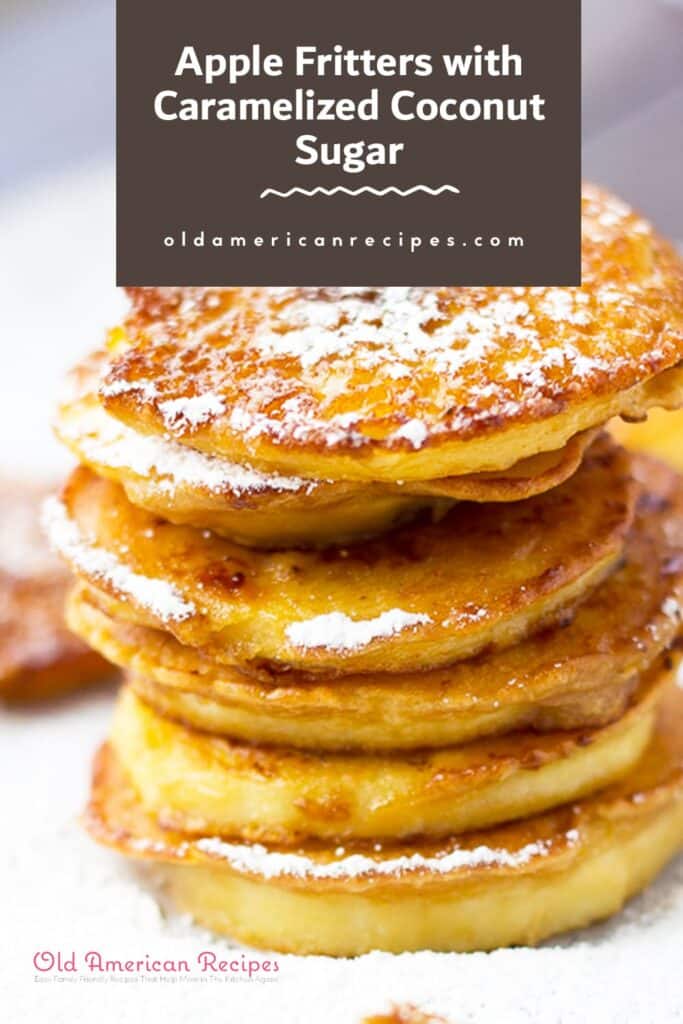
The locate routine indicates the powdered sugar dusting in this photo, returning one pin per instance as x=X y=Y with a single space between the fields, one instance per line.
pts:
x=145 y=389
x=337 y=632
x=395 y=326
x=158 y=596
x=259 y=860
x=385 y=367
x=107 y=442
x=470 y=613
x=672 y=609
x=414 y=431
x=294 y=422
x=179 y=413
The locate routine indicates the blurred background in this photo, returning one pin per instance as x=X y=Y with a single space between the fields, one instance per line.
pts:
x=57 y=180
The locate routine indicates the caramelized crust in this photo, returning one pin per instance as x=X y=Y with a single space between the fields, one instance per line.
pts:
x=114 y=815
x=524 y=479
x=406 y=383
x=570 y=676
x=197 y=783
x=486 y=696
x=418 y=597
x=186 y=486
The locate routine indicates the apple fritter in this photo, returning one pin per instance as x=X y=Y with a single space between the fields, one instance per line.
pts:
x=570 y=676
x=39 y=657
x=187 y=486
x=201 y=784
x=418 y=597
x=513 y=884
x=377 y=711
x=407 y=383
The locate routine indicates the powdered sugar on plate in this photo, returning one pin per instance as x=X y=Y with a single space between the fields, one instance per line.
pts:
x=158 y=596
x=82 y=897
x=337 y=632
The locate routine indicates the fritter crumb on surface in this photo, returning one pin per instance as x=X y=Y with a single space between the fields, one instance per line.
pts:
x=406 y=1013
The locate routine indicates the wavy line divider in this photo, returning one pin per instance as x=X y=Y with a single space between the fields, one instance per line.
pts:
x=363 y=190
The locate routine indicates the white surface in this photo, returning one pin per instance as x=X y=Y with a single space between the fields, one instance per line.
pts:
x=60 y=892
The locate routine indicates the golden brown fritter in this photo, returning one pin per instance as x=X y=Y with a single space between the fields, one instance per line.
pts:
x=510 y=885
x=206 y=785
x=407 y=383
x=418 y=597
x=186 y=486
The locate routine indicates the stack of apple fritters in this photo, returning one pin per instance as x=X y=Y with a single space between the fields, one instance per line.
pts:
x=398 y=619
